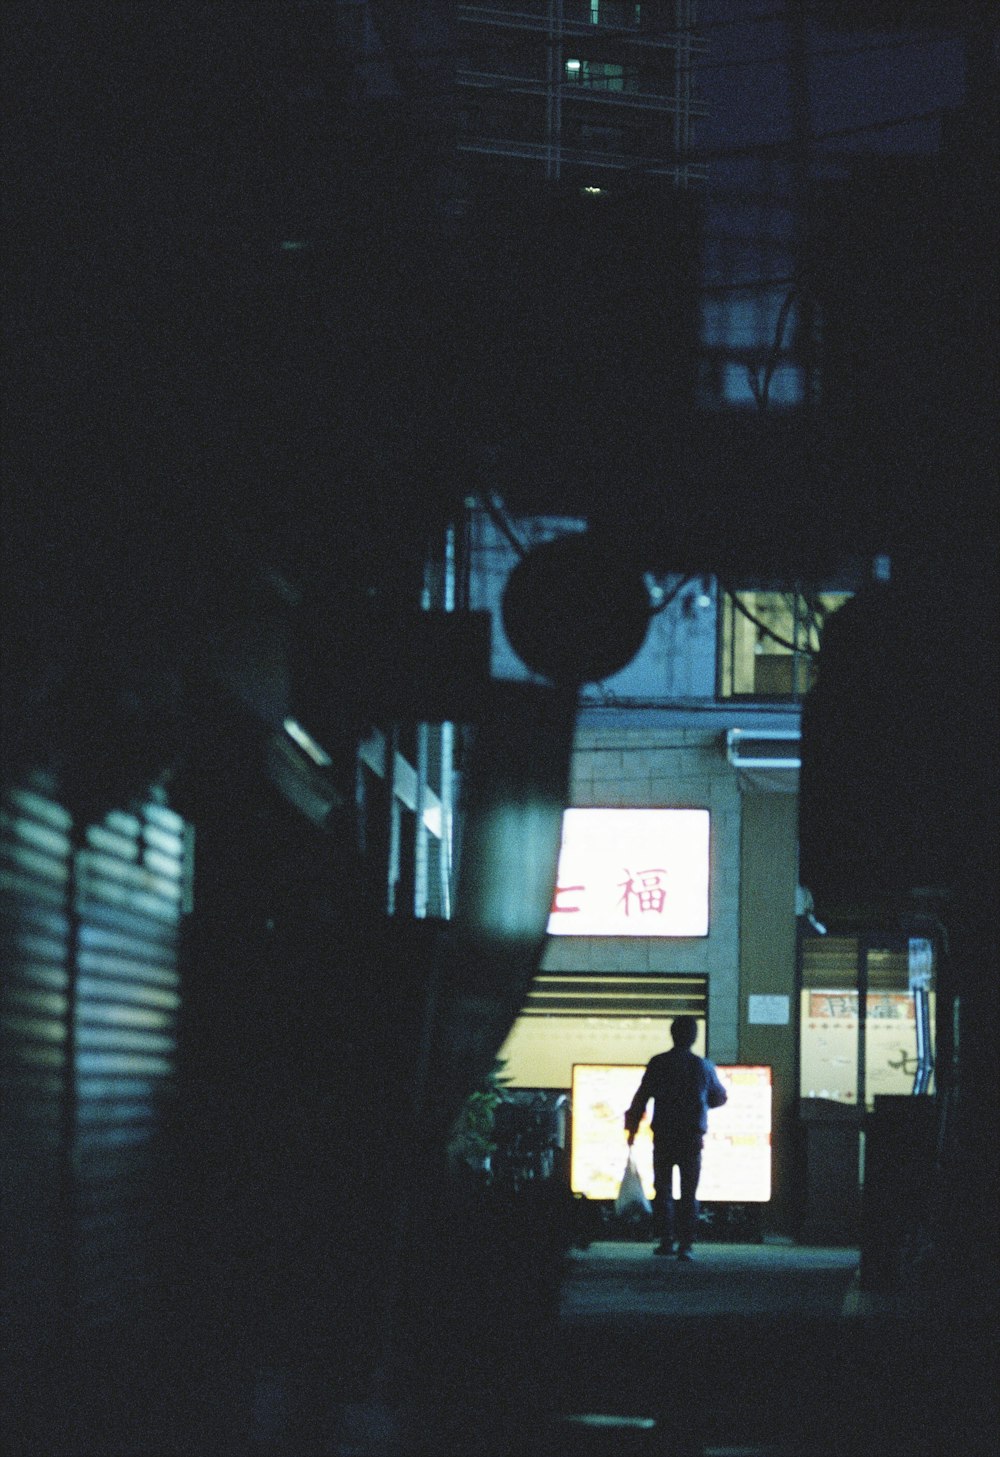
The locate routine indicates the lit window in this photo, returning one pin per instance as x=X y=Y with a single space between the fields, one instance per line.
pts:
x=607 y=76
x=786 y=386
x=829 y=1031
x=603 y=75
x=615 y=12
x=770 y=640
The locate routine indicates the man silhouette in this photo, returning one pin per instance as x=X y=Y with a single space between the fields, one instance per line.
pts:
x=683 y=1087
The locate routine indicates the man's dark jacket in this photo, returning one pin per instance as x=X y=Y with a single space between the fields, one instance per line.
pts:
x=684 y=1087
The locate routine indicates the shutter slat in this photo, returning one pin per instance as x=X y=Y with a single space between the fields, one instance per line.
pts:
x=42 y=1082
x=171 y=845
x=105 y=1140
x=25 y=920
x=32 y=1055
x=612 y=995
x=35 y=1029
x=121 y=895
x=38 y=807
x=101 y=988
x=22 y=859
x=141 y=917
x=89 y=1088
x=129 y=968
x=125 y=825
x=117 y=1013
x=121 y=1064
x=32 y=835
x=95 y=868
x=126 y=1043
x=97 y=1112
x=34 y=947
x=19 y=883
x=159 y=817
x=101 y=838
x=91 y=898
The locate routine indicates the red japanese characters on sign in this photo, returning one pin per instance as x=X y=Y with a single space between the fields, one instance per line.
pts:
x=644 y=892
x=632 y=872
x=559 y=907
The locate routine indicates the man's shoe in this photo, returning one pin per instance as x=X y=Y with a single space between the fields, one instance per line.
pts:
x=665 y=1247
x=684 y=1253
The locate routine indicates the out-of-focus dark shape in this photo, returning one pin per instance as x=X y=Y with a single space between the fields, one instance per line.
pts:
x=575 y=613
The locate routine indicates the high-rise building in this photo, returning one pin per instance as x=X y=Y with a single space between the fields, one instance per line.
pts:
x=579 y=89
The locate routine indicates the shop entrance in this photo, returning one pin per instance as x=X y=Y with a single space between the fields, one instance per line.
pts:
x=866 y=1033
x=867 y=1010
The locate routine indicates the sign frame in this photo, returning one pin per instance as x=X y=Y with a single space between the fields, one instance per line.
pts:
x=638 y=855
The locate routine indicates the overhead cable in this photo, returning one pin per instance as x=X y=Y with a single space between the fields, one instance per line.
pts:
x=668 y=597
x=763 y=627
x=781 y=58
x=764 y=150
x=761 y=387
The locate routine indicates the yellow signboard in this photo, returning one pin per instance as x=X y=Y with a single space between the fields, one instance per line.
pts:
x=736 y=1164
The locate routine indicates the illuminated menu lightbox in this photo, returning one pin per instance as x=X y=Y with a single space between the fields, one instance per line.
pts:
x=632 y=872
x=736 y=1163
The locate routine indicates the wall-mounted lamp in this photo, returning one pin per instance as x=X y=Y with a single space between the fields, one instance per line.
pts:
x=805 y=908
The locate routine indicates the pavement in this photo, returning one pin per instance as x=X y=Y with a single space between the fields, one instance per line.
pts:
x=752 y=1350
x=765 y=1350
x=620 y=1283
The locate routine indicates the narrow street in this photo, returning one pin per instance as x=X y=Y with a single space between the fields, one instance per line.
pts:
x=762 y=1350
x=497 y=687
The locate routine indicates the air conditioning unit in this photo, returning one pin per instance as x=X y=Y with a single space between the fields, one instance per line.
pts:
x=764 y=748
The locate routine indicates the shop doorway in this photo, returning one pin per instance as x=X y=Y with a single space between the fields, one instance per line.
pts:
x=867 y=1018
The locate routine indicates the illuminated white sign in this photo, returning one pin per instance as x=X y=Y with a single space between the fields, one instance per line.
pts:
x=632 y=872
x=736 y=1163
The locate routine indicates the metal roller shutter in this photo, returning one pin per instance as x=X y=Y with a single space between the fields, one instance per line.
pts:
x=90 y=921
x=577 y=994
x=595 y=1017
x=35 y=857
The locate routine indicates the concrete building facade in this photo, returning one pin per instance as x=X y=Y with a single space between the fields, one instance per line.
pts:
x=659 y=734
x=579 y=89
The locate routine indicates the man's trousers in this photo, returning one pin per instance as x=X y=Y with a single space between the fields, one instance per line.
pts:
x=684 y=1152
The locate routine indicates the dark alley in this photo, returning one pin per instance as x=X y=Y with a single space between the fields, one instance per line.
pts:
x=498 y=716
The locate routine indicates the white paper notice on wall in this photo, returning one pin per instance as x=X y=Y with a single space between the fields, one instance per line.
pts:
x=769 y=1011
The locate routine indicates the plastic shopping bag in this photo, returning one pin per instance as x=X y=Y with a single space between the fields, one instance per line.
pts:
x=631 y=1198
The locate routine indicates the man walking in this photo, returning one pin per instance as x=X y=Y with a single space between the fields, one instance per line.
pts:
x=683 y=1087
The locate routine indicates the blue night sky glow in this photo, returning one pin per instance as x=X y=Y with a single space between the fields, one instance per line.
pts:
x=855 y=78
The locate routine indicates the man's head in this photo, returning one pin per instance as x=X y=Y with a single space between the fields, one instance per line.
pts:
x=684 y=1030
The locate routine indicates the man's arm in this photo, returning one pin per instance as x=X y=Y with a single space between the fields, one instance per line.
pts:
x=637 y=1108
x=717 y=1094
